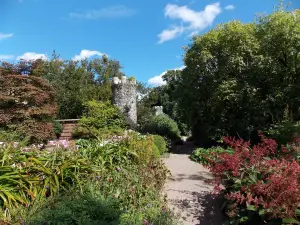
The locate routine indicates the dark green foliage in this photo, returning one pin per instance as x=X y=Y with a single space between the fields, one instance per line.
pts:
x=89 y=207
x=100 y=119
x=284 y=132
x=57 y=127
x=163 y=125
x=241 y=78
x=77 y=82
x=161 y=144
x=161 y=96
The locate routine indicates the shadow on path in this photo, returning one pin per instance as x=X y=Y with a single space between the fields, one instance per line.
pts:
x=189 y=189
x=186 y=148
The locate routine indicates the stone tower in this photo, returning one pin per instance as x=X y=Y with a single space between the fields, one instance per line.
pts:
x=124 y=96
x=158 y=110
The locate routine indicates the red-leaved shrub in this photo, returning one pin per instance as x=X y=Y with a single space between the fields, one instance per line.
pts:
x=27 y=106
x=261 y=178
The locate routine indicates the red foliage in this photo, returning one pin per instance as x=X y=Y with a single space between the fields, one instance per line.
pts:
x=262 y=175
x=27 y=106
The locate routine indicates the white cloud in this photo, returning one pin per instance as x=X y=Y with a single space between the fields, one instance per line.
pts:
x=6 y=57
x=194 y=21
x=32 y=56
x=109 y=12
x=84 y=54
x=170 y=34
x=4 y=36
x=158 y=80
x=230 y=7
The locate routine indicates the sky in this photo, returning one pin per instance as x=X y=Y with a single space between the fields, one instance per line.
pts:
x=146 y=36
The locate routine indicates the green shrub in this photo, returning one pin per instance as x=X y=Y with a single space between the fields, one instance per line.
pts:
x=9 y=136
x=184 y=130
x=155 y=151
x=160 y=142
x=100 y=120
x=204 y=156
x=163 y=125
x=75 y=207
x=57 y=127
x=284 y=132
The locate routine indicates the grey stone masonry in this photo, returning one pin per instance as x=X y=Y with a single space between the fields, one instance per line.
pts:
x=158 y=110
x=124 y=96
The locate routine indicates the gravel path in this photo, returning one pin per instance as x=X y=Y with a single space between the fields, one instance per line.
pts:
x=188 y=190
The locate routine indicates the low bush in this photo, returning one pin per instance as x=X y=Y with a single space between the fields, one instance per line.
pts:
x=204 y=156
x=100 y=120
x=161 y=144
x=76 y=207
x=261 y=183
x=163 y=125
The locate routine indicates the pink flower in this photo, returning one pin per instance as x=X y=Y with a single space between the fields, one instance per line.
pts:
x=15 y=144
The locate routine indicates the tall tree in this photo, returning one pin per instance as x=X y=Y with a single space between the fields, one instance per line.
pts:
x=241 y=77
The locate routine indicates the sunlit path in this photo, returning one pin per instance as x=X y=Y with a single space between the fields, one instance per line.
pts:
x=189 y=191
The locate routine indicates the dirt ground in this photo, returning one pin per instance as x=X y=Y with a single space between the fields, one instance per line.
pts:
x=188 y=190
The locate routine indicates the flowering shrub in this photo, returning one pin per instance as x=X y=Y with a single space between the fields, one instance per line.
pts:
x=261 y=178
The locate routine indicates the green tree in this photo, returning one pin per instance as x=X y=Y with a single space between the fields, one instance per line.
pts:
x=241 y=77
x=75 y=82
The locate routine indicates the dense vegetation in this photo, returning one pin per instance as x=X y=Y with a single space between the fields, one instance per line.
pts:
x=260 y=183
x=240 y=78
x=116 y=182
x=243 y=78
x=100 y=120
x=164 y=126
x=26 y=107
x=98 y=179
x=75 y=82
x=161 y=96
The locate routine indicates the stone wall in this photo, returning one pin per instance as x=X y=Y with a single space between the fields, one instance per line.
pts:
x=124 y=96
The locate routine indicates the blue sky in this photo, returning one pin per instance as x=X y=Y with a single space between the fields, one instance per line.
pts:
x=145 y=36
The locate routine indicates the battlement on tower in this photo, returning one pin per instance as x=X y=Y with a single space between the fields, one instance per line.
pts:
x=123 y=80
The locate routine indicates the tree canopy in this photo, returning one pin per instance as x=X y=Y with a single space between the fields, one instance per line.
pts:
x=75 y=82
x=240 y=78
